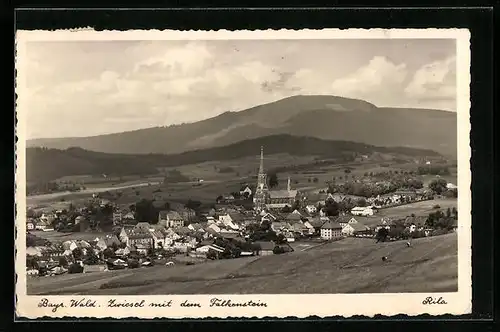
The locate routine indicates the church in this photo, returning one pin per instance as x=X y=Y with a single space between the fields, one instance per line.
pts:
x=265 y=199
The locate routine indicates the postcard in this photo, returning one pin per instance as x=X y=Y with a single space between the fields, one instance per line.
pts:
x=267 y=173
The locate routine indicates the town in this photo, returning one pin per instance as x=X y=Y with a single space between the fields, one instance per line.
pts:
x=256 y=220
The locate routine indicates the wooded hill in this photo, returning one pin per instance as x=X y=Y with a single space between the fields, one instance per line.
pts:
x=44 y=164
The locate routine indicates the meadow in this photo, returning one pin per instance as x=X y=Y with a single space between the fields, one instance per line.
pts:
x=348 y=266
x=219 y=178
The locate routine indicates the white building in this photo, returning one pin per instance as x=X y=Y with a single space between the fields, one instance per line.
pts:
x=363 y=211
x=331 y=230
x=311 y=209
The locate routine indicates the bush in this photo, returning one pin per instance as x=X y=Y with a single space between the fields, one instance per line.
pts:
x=436 y=206
x=75 y=268
x=278 y=250
x=133 y=264
x=63 y=262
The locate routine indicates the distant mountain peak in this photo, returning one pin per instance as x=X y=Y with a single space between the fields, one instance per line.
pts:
x=321 y=116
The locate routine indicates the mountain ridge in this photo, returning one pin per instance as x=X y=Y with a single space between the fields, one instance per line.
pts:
x=77 y=161
x=325 y=117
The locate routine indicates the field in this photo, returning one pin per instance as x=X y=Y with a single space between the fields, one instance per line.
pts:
x=347 y=266
x=419 y=208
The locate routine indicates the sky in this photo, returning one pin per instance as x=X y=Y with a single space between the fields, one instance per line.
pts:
x=86 y=88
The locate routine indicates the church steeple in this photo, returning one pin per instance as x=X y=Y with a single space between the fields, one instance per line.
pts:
x=289 y=187
x=261 y=167
x=260 y=195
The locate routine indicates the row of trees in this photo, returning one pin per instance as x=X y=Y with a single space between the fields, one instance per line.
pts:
x=147 y=210
x=369 y=189
x=433 y=170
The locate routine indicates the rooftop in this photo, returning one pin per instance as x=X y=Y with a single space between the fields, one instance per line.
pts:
x=283 y=193
x=331 y=225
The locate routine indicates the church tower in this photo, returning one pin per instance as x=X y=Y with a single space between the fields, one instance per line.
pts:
x=260 y=196
x=289 y=186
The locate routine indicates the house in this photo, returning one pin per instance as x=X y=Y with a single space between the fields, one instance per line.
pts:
x=203 y=249
x=356 y=229
x=122 y=252
x=385 y=223
x=30 y=224
x=343 y=220
x=142 y=248
x=158 y=238
x=311 y=208
x=331 y=230
x=266 y=248
x=451 y=186
x=310 y=227
x=228 y=198
x=213 y=227
x=34 y=251
x=128 y=216
x=289 y=237
x=316 y=223
x=69 y=245
x=212 y=233
x=299 y=227
x=196 y=227
x=117 y=217
x=187 y=214
x=414 y=223
x=363 y=211
x=101 y=244
x=111 y=240
x=170 y=236
x=143 y=227
x=268 y=217
x=280 y=226
x=293 y=217
x=245 y=191
x=170 y=219
x=140 y=238
x=229 y=220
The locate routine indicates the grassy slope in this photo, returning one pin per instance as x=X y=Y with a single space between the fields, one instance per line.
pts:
x=347 y=266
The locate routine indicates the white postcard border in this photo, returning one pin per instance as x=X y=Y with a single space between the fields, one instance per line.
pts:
x=277 y=305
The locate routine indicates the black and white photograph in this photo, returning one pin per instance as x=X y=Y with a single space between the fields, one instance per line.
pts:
x=242 y=164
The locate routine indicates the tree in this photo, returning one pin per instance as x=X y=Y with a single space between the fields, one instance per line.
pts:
x=63 y=262
x=77 y=253
x=396 y=232
x=192 y=204
x=361 y=202
x=332 y=208
x=280 y=239
x=146 y=211
x=315 y=180
x=273 y=180
x=438 y=186
x=75 y=268
x=31 y=263
x=108 y=253
x=92 y=258
x=382 y=234
x=278 y=250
